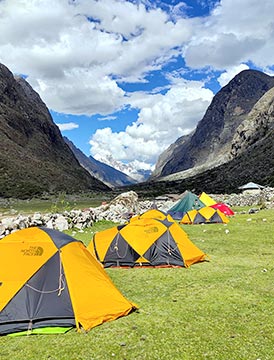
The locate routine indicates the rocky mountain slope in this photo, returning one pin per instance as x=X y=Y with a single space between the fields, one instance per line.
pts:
x=34 y=157
x=103 y=172
x=233 y=144
x=258 y=123
x=249 y=152
x=219 y=136
x=256 y=164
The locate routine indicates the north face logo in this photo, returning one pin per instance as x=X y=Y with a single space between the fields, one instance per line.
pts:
x=151 y=230
x=33 y=251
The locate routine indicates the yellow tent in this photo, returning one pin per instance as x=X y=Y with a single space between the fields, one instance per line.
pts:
x=153 y=214
x=205 y=215
x=145 y=241
x=206 y=199
x=49 y=279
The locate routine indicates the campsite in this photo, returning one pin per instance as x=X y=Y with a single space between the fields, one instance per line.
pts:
x=217 y=309
x=136 y=180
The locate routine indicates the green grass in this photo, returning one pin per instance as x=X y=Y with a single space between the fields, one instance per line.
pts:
x=11 y=207
x=220 y=309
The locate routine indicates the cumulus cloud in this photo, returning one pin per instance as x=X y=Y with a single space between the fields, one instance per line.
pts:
x=235 y=32
x=68 y=126
x=81 y=93
x=162 y=119
x=221 y=51
x=79 y=55
x=228 y=75
x=75 y=52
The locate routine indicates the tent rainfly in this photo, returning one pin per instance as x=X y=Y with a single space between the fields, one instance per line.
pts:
x=145 y=242
x=189 y=202
x=225 y=209
x=49 y=282
x=206 y=215
x=153 y=214
x=208 y=201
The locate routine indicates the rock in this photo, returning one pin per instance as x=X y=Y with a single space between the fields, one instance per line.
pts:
x=120 y=209
x=50 y=224
x=61 y=223
x=7 y=223
x=253 y=211
x=265 y=199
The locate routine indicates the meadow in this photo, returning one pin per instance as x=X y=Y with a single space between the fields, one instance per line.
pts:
x=221 y=309
x=62 y=202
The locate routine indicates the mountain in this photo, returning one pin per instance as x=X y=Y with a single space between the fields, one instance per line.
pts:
x=257 y=125
x=251 y=153
x=214 y=141
x=103 y=172
x=232 y=144
x=249 y=148
x=34 y=158
x=256 y=164
x=137 y=174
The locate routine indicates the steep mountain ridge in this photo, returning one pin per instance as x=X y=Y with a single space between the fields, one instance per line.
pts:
x=232 y=144
x=256 y=126
x=101 y=171
x=256 y=164
x=210 y=144
x=168 y=154
x=34 y=157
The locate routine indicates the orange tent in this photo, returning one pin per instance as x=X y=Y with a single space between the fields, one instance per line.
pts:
x=153 y=214
x=50 y=280
x=205 y=215
x=145 y=242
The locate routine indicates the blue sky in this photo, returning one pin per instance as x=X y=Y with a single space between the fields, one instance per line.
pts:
x=124 y=79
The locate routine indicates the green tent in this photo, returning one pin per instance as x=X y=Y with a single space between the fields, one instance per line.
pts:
x=188 y=202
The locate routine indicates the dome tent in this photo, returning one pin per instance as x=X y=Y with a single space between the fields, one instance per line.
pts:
x=145 y=242
x=60 y=284
x=206 y=215
x=153 y=214
x=225 y=209
x=188 y=202
x=208 y=201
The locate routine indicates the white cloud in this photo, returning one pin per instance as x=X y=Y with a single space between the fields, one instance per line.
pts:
x=221 y=51
x=228 y=75
x=68 y=126
x=162 y=119
x=107 y=118
x=81 y=93
x=73 y=52
x=235 y=32
x=76 y=55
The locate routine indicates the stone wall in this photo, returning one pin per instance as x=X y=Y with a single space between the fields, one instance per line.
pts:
x=264 y=199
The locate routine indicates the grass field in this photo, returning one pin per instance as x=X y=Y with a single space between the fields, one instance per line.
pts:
x=222 y=309
x=11 y=207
